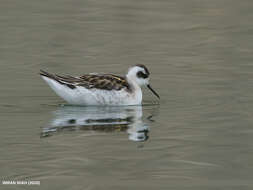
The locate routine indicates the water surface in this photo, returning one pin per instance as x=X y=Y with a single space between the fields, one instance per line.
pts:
x=200 y=57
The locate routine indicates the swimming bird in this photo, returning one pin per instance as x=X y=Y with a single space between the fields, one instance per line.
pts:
x=101 y=89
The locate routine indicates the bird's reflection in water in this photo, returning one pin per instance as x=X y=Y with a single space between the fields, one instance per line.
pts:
x=100 y=119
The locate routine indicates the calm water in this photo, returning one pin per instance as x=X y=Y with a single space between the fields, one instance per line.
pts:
x=200 y=54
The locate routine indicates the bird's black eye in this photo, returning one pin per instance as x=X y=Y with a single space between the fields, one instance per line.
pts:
x=140 y=74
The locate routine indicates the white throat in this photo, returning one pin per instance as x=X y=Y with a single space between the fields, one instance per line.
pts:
x=135 y=88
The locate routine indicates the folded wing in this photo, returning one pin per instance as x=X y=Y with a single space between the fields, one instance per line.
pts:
x=90 y=81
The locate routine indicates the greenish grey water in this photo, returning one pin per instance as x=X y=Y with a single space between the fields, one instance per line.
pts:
x=200 y=54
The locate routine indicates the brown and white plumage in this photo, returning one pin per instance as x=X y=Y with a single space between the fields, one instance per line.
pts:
x=89 y=81
x=101 y=89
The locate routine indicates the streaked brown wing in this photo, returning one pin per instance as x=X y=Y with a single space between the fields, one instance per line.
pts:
x=64 y=80
x=89 y=81
x=104 y=81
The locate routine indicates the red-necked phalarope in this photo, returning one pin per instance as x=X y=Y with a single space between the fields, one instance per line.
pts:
x=101 y=89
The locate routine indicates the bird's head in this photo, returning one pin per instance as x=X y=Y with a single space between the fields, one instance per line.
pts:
x=139 y=74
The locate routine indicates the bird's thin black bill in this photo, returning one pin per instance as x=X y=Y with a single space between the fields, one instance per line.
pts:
x=152 y=90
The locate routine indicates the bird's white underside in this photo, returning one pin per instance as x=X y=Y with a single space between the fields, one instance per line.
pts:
x=82 y=96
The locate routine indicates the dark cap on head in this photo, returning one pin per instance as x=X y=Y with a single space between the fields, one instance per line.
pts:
x=144 y=67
